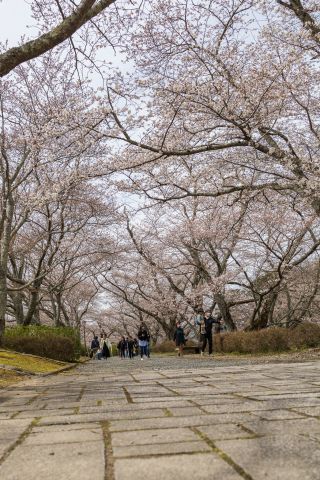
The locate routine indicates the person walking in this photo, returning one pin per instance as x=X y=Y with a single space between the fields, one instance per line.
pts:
x=109 y=345
x=135 y=347
x=105 y=353
x=126 y=348
x=206 y=322
x=179 y=338
x=94 y=347
x=101 y=342
x=148 y=342
x=130 y=347
x=122 y=347
x=143 y=340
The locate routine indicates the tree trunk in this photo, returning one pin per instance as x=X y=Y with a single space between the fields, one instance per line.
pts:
x=3 y=300
x=17 y=301
x=7 y=212
x=33 y=304
x=264 y=312
x=225 y=311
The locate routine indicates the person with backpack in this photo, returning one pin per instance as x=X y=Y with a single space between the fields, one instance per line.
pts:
x=179 y=338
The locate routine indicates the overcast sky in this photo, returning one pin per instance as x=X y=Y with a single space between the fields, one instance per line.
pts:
x=14 y=20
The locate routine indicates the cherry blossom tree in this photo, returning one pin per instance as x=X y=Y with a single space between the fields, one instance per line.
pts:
x=47 y=149
x=224 y=82
x=241 y=258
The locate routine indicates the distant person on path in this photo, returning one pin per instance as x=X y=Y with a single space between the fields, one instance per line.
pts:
x=105 y=349
x=148 y=344
x=101 y=341
x=109 y=345
x=143 y=336
x=130 y=347
x=136 y=347
x=126 y=348
x=179 y=338
x=122 y=347
x=94 y=346
x=206 y=322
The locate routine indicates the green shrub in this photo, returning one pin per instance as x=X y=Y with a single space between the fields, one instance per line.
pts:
x=115 y=350
x=58 y=343
x=84 y=352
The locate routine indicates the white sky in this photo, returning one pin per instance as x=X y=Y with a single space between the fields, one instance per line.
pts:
x=15 y=17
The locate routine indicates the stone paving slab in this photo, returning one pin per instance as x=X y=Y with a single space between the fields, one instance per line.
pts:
x=66 y=428
x=50 y=462
x=65 y=436
x=179 y=419
x=283 y=457
x=226 y=431
x=149 y=437
x=284 y=427
x=191 y=467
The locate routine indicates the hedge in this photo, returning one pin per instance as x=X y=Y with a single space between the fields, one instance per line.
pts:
x=269 y=340
x=58 y=343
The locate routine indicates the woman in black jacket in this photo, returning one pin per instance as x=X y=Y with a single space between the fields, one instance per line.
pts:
x=179 y=338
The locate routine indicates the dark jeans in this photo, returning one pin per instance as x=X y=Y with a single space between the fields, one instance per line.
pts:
x=143 y=351
x=207 y=337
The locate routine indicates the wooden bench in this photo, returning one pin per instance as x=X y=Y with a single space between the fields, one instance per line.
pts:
x=191 y=349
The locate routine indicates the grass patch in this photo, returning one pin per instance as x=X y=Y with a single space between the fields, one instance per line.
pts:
x=28 y=363
x=8 y=377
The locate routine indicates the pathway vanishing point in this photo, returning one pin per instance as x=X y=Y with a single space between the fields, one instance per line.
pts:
x=164 y=418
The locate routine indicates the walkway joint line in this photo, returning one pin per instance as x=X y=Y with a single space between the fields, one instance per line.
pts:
x=108 y=452
x=222 y=454
x=20 y=439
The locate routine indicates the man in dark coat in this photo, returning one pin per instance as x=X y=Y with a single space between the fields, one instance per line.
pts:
x=179 y=338
x=206 y=327
x=105 y=350
x=122 y=347
x=94 y=346
x=130 y=347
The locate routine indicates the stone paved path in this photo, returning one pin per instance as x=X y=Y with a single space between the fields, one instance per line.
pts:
x=164 y=418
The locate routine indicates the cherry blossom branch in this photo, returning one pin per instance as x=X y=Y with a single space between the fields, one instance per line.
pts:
x=86 y=10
